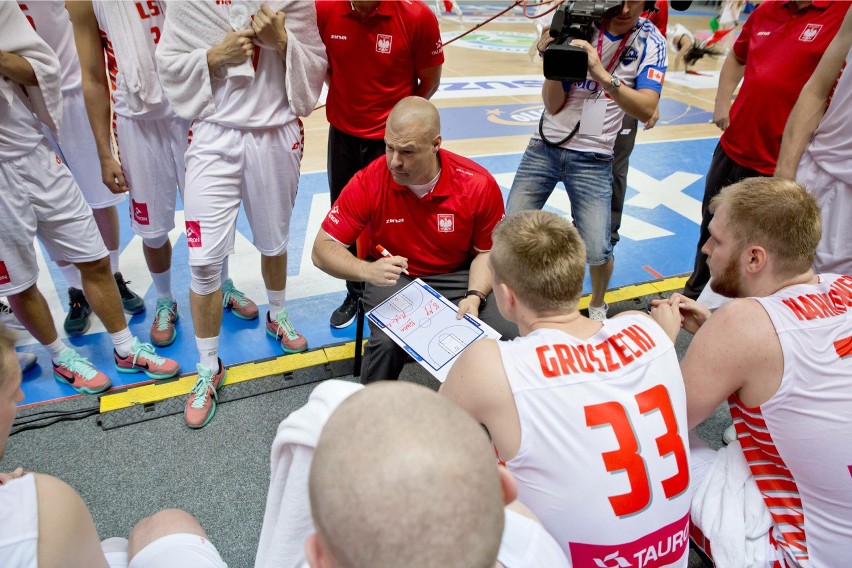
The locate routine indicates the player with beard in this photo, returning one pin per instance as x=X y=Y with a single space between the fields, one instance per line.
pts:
x=780 y=353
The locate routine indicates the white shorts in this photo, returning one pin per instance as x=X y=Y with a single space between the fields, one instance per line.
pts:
x=39 y=197
x=151 y=153
x=78 y=150
x=834 y=253
x=225 y=166
x=184 y=550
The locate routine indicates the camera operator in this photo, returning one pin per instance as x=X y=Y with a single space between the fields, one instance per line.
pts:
x=574 y=143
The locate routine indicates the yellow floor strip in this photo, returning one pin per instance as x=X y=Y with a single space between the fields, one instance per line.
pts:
x=156 y=392
x=637 y=291
x=287 y=363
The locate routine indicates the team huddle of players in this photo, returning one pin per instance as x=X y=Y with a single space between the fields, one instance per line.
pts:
x=590 y=416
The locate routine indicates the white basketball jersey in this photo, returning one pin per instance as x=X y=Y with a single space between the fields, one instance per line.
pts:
x=51 y=21
x=20 y=130
x=152 y=20
x=252 y=102
x=799 y=443
x=604 y=457
x=832 y=145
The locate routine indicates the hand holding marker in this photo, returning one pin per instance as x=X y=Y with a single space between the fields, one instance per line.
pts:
x=384 y=252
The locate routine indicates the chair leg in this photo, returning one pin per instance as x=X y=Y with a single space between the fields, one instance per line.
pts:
x=359 y=338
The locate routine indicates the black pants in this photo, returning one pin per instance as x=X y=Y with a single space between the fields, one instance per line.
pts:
x=384 y=359
x=347 y=155
x=722 y=173
x=624 y=142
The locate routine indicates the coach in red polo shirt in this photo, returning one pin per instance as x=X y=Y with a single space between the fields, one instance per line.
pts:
x=434 y=210
x=776 y=53
x=378 y=54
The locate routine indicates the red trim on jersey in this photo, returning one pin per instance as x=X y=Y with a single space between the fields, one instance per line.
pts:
x=774 y=481
x=391 y=215
x=778 y=60
x=373 y=61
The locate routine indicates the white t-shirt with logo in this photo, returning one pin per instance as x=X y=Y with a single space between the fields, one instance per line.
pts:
x=643 y=63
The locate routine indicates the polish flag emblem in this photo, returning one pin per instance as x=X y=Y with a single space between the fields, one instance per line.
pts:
x=810 y=32
x=383 y=43
x=446 y=222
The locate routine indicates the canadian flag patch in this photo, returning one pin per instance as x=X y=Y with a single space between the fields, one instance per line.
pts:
x=193 y=233
x=656 y=75
x=446 y=222
x=4 y=274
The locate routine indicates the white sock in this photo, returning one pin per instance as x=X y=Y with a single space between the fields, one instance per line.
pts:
x=55 y=349
x=122 y=340
x=163 y=284
x=72 y=276
x=208 y=352
x=113 y=261
x=225 y=275
x=276 y=301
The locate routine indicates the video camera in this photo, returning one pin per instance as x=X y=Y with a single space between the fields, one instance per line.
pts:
x=574 y=20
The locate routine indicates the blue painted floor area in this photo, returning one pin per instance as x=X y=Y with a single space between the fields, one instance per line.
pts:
x=658 y=236
x=509 y=120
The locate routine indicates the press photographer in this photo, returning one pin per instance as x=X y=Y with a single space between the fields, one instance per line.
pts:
x=626 y=60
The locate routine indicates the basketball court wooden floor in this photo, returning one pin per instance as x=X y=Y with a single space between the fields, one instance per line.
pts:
x=489 y=102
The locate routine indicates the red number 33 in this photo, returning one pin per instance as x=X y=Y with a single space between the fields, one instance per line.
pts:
x=627 y=458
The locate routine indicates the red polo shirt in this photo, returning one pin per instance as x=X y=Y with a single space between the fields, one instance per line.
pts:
x=373 y=61
x=780 y=47
x=439 y=233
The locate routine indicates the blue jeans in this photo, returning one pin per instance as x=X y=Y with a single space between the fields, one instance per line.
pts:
x=587 y=177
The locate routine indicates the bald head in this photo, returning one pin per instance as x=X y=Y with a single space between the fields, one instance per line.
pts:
x=415 y=113
x=403 y=477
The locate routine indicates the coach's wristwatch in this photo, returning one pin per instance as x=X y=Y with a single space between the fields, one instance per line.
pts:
x=483 y=299
x=614 y=84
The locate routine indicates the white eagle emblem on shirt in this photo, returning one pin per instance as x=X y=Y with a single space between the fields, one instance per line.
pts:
x=445 y=222
x=810 y=32
x=383 y=43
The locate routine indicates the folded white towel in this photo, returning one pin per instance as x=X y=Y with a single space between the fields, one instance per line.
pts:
x=730 y=511
x=137 y=75
x=17 y=36
x=193 y=27
x=287 y=521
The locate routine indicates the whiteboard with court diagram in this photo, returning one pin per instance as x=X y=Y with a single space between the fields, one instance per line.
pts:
x=424 y=323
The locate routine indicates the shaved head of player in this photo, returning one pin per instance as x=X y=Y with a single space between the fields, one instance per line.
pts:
x=416 y=485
